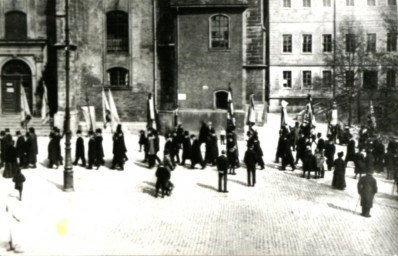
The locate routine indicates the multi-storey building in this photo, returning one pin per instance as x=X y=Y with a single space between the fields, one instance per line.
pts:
x=302 y=34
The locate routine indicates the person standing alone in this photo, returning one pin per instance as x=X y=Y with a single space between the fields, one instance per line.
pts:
x=367 y=188
x=222 y=167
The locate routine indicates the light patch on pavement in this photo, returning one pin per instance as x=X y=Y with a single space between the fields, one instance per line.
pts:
x=61 y=227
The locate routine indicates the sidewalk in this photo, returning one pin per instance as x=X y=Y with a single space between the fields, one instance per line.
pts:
x=115 y=213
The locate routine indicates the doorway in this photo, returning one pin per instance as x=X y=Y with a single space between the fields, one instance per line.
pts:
x=14 y=74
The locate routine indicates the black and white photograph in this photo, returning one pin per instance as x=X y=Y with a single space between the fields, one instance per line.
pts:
x=198 y=127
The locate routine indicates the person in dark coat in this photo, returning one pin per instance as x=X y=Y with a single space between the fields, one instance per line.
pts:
x=79 y=151
x=92 y=155
x=196 y=156
x=168 y=146
x=53 y=154
x=234 y=136
x=2 y=149
x=279 y=147
x=20 y=150
x=203 y=132
x=222 y=167
x=99 y=150
x=5 y=142
x=300 y=150
x=250 y=160
x=321 y=143
x=360 y=164
x=370 y=161
x=186 y=148
x=119 y=148
x=232 y=155
x=33 y=149
x=258 y=150
x=309 y=163
x=152 y=149
x=11 y=164
x=350 y=151
x=142 y=140
x=338 y=181
x=330 y=150
x=287 y=155
x=163 y=176
x=295 y=135
x=367 y=188
x=211 y=148
x=175 y=151
x=18 y=180
x=379 y=154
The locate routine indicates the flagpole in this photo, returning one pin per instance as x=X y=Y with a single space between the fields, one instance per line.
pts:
x=68 y=169
x=89 y=114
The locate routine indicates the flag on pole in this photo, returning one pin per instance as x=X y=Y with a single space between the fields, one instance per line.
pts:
x=251 y=115
x=334 y=115
x=176 y=116
x=89 y=116
x=285 y=119
x=230 y=111
x=25 y=110
x=115 y=120
x=106 y=110
x=151 y=113
x=372 y=117
x=45 y=113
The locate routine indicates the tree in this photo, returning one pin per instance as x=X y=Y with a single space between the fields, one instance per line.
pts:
x=349 y=59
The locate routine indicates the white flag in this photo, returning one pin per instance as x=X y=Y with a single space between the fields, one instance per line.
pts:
x=106 y=111
x=89 y=116
x=114 y=115
x=45 y=115
x=25 y=110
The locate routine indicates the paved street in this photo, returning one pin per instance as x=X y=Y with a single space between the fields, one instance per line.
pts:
x=115 y=213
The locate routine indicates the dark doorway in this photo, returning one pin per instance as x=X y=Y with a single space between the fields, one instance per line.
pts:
x=14 y=74
x=221 y=100
x=16 y=28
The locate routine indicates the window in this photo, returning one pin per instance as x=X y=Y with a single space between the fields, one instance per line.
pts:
x=307 y=81
x=287 y=79
x=326 y=3
x=327 y=43
x=118 y=77
x=371 y=2
x=392 y=2
x=287 y=3
x=306 y=3
x=349 y=78
x=350 y=42
x=370 y=79
x=391 y=42
x=327 y=78
x=371 y=44
x=391 y=78
x=287 y=43
x=117 y=31
x=307 y=43
x=219 y=32
x=16 y=24
x=350 y=2
x=221 y=99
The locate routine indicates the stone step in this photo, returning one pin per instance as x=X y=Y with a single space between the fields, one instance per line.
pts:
x=13 y=122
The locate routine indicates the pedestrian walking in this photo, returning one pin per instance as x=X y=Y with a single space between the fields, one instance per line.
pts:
x=222 y=167
x=338 y=181
x=186 y=148
x=250 y=160
x=92 y=155
x=175 y=150
x=142 y=140
x=20 y=145
x=119 y=148
x=53 y=154
x=79 y=150
x=367 y=188
x=99 y=150
x=330 y=150
x=152 y=149
x=320 y=145
x=33 y=148
x=18 y=180
x=286 y=151
x=232 y=155
x=350 y=155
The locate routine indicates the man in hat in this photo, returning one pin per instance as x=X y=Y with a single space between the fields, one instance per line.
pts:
x=99 y=150
x=186 y=148
x=250 y=160
x=79 y=151
x=330 y=150
x=222 y=167
x=367 y=188
x=20 y=150
x=91 y=150
x=32 y=147
x=309 y=163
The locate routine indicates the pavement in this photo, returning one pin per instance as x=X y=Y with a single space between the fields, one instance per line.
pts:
x=115 y=213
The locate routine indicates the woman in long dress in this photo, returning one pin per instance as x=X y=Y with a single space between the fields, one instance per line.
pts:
x=339 y=172
x=11 y=164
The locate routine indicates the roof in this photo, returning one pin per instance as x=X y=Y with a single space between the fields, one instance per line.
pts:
x=208 y=3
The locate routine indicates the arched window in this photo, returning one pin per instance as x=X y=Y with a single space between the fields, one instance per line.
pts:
x=219 y=32
x=118 y=77
x=117 y=31
x=221 y=99
x=16 y=24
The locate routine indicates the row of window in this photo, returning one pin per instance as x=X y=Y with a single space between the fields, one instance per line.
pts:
x=327 y=3
x=327 y=43
x=370 y=79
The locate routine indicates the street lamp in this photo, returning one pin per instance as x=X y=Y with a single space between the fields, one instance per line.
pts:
x=68 y=169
